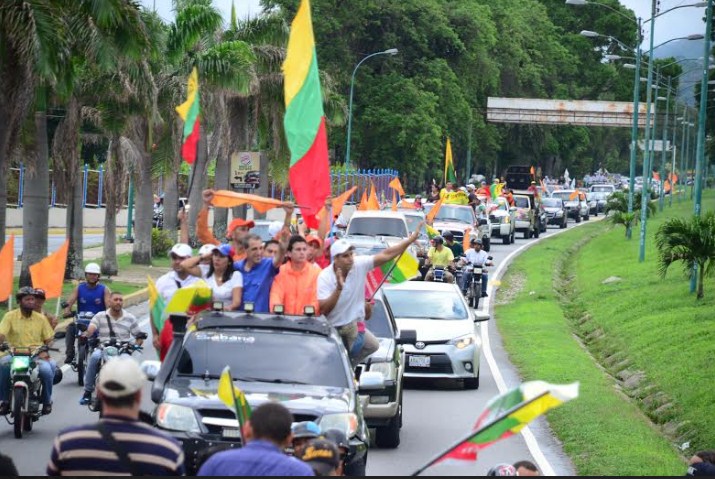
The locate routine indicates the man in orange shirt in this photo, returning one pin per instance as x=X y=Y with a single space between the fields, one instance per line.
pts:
x=296 y=284
x=237 y=229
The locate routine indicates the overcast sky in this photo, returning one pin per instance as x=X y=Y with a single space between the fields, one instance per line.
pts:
x=678 y=23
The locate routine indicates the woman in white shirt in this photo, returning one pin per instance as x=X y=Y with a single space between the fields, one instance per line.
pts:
x=225 y=283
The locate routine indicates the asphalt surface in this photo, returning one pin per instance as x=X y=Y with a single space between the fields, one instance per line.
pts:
x=55 y=241
x=435 y=414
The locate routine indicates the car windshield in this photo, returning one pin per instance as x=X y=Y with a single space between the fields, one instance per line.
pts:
x=264 y=356
x=552 y=202
x=378 y=227
x=455 y=213
x=602 y=189
x=369 y=250
x=564 y=195
x=521 y=201
x=379 y=323
x=436 y=305
x=413 y=221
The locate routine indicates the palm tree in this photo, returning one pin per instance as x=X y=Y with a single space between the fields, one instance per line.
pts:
x=617 y=209
x=690 y=241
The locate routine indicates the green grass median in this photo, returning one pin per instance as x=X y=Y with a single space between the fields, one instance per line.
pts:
x=641 y=346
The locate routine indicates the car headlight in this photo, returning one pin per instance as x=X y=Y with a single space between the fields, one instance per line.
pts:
x=386 y=368
x=505 y=219
x=559 y=213
x=345 y=421
x=463 y=341
x=176 y=418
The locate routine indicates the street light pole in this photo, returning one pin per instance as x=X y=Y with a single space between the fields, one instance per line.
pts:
x=700 y=154
x=634 y=129
x=661 y=199
x=645 y=196
x=391 y=51
x=676 y=119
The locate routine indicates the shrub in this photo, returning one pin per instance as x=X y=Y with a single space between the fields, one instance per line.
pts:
x=160 y=243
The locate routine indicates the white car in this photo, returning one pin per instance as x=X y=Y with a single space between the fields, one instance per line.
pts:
x=448 y=342
x=502 y=218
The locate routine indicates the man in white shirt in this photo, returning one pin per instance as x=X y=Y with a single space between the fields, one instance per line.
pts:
x=168 y=284
x=341 y=289
x=479 y=258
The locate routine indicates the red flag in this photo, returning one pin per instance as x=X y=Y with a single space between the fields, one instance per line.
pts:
x=49 y=274
x=6 y=268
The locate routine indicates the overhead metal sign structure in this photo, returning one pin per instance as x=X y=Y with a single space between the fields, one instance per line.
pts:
x=565 y=112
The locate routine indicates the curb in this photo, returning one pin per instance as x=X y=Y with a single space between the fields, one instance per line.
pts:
x=132 y=299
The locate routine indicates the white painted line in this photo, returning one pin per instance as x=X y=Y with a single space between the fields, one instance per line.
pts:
x=66 y=367
x=534 y=449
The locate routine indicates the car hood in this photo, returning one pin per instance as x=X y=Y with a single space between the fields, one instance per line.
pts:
x=197 y=393
x=384 y=353
x=571 y=204
x=499 y=213
x=553 y=210
x=436 y=329
x=451 y=225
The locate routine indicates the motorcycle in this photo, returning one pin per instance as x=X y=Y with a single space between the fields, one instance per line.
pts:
x=473 y=290
x=26 y=388
x=111 y=349
x=81 y=323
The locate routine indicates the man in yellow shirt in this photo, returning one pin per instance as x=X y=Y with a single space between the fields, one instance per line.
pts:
x=25 y=328
x=439 y=256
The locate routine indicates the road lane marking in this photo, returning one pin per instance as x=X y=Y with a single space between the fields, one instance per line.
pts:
x=529 y=437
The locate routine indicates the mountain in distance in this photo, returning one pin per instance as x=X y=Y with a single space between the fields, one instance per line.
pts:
x=681 y=49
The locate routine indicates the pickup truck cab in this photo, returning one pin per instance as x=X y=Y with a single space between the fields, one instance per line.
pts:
x=601 y=193
x=502 y=218
x=574 y=202
x=527 y=218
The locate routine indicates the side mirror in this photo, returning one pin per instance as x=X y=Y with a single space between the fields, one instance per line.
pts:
x=407 y=336
x=482 y=221
x=150 y=368
x=480 y=316
x=371 y=381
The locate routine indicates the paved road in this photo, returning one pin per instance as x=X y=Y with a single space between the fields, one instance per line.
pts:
x=435 y=415
x=55 y=241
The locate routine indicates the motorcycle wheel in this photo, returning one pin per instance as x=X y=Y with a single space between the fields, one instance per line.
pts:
x=18 y=415
x=487 y=244
x=474 y=297
x=81 y=353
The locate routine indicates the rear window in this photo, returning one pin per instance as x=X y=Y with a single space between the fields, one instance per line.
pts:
x=602 y=189
x=378 y=227
x=521 y=201
x=264 y=356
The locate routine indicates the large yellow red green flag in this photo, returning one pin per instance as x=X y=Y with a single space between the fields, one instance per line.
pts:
x=304 y=121
x=189 y=112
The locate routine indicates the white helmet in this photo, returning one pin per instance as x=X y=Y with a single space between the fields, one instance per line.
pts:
x=92 y=268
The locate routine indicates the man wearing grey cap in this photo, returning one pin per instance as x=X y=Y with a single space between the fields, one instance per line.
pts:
x=119 y=444
x=341 y=290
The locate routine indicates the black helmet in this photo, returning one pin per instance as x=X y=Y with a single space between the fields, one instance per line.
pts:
x=438 y=240
x=24 y=291
x=502 y=470
x=448 y=235
x=58 y=376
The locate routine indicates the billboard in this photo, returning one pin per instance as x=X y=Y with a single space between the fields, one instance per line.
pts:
x=565 y=112
x=245 y=170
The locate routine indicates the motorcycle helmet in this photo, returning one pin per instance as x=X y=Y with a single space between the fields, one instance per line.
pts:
x=502 y=470
x=40 y=293
x=24 y=291
x=92 y=268
x=58 y=376
x=438 y=240
x=447 y=235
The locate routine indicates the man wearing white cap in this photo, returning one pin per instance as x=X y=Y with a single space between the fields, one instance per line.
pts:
x=341 y=289
x=168 y=284
x=119 y=444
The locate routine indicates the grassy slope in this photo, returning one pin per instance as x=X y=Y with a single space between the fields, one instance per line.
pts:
x=603 y=433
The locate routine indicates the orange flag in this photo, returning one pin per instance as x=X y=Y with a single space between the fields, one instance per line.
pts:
x=465 y=240
x=49 y=274
x=433 y=212
x=394 y=200
x=666 y=186
x=533 y=173
x=363 y=202
x=573 y=195
x=408 y=206
x=6 y=268
x=229 y=199
x=397 y=186
x=372 y=202
x=338 y=203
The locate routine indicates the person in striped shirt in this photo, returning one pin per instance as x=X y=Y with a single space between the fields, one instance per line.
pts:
x=125 y=326
x=119 y=443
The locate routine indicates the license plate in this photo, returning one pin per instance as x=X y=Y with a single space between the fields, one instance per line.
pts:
x=231 y=432
x=419 y=361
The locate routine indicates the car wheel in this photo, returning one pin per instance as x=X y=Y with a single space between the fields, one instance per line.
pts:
x=505 y=239
x=471 y=383
x=562 y=225
x=587 y=217
x=513 y=236
x=388 y=437
x=578 y=218
x=537 y=231
x=527 y=234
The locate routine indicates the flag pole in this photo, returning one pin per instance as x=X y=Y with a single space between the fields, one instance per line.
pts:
x=473 y=433
x=384 y=278
x=235 y=405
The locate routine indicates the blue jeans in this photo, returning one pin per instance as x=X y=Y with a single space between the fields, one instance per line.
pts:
x=46 y=372
x=92 y=367
x=467 y=279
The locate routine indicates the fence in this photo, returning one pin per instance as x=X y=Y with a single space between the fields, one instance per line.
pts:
x=93 y=195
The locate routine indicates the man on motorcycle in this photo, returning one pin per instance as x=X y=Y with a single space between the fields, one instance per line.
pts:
x=90 y=296
x=115 y=323
x=456 y=248
x=25 y=328
x=439 y=256
x=479 y=258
